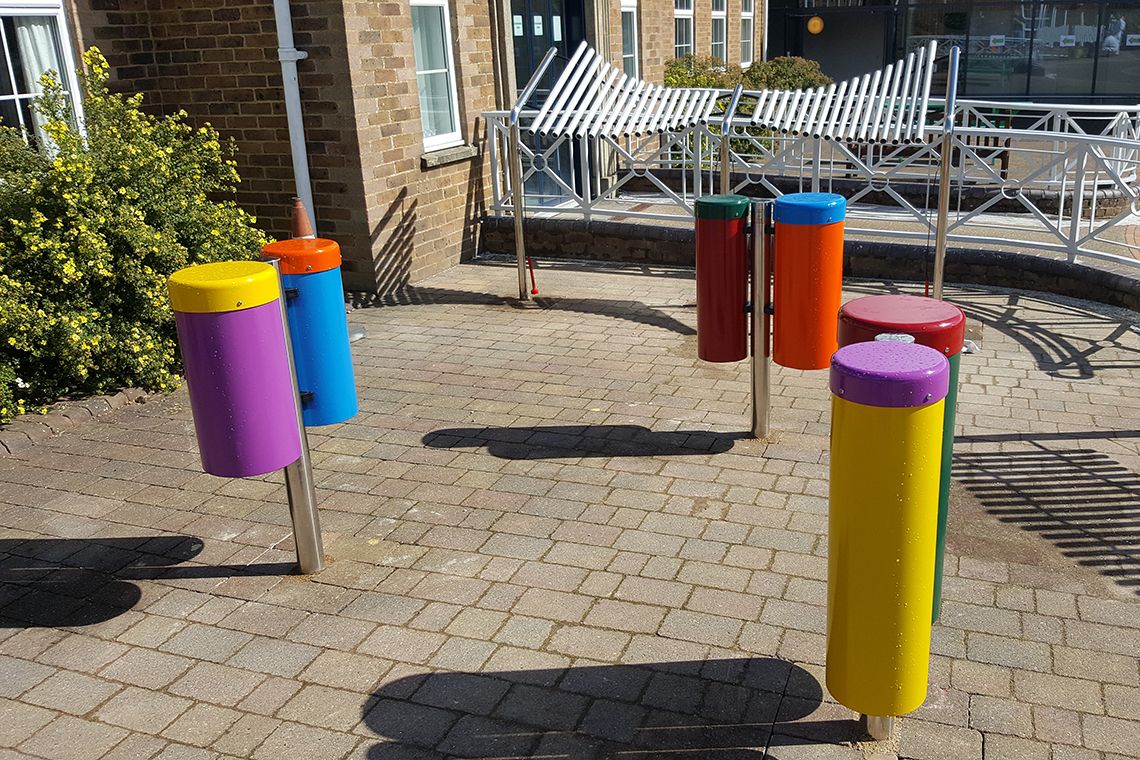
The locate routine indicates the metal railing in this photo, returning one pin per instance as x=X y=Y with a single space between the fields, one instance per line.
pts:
x=1045 y=179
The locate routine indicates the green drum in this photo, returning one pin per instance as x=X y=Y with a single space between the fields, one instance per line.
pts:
x=939 y=325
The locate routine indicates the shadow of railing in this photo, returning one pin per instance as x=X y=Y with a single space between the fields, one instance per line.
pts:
x=702 y=709
x=1066 y=338
x=65 y=582
x=556 y=441
x=1084 y=502
x=629 y=310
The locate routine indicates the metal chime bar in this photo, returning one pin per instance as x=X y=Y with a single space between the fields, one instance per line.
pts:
x=593 y=98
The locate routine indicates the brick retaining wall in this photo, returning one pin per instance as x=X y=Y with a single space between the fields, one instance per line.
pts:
x=636 y=243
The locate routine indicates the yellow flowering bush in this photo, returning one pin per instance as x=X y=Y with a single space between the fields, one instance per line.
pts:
x=92 y=223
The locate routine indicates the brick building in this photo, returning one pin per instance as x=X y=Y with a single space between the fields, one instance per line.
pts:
x=392 y=93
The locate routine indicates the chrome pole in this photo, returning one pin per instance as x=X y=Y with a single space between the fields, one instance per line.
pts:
x=946 y=154
x=761 y=387
x=518 y=208
x=880 y=727
x=725 y=142
x=300 y=489
x=514 y=155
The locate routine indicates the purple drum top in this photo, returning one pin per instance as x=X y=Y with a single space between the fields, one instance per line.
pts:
x=889 y=374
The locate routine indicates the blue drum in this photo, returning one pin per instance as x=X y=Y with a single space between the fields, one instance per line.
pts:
x=318 y=327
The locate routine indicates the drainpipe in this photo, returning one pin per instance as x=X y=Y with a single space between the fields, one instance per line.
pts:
x=288 y=56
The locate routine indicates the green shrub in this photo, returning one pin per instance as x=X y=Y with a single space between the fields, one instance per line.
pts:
x=785 y=73
x=91 y=227
x=701 y=71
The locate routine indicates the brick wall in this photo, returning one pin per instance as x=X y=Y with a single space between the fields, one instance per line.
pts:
x=217 y=59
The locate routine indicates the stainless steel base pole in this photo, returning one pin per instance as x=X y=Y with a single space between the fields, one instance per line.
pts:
x=880 y=727
x=761 y=388
x=300 y=489
x=518 y=208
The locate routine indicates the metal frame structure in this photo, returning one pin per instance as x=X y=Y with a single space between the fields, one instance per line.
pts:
x=1069 y=172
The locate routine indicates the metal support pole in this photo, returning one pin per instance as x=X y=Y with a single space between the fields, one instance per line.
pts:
x=300 y=489
x=726 y=142
x=761 y=388
x=946 y=155
x=880 y=727
x=518 y=207
x=514 y=155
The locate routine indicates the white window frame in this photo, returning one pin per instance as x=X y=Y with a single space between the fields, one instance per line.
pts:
x=454 y=138
x=68 y=77
x=683 y=10
x=630 y=6
x=719 y=13
x=748 y=13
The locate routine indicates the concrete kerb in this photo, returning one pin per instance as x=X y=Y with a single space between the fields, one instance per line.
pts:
x=26 y=430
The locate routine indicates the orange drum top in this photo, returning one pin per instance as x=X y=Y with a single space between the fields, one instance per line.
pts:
x=304 y=255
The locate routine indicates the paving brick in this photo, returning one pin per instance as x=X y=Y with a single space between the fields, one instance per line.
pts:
x=1053 y=725
x=933 y=741
x=82 y=653
x=246 y=734
x=201 y=725
x=279 y=658
x=553 y=605
x=71 y=692
x=402 y=644
x=334 y=709
x=68 y=738
x=202 y=642
x=218 y=684
x=1016 y=749
x=1000 y=650
x=592 y=643
x=623 y=616
x=146 y=668
x=1112 y=735
x=700 y=627
x=980 y=678
x=21 y=721
x=1058 y=691
x=142 y=710
x=653 y=591
x=296 y=740
x=993 y=715
x=20 y=675
x=1096 y=666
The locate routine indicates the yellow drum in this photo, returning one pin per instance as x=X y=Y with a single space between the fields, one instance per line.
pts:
x=886 y=442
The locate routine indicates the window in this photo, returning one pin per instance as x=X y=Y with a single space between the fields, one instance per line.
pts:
x=682 y=28
x=746 y=32
x=435 y=74
x=719 y=49
x=33 y=36
x=629 y=37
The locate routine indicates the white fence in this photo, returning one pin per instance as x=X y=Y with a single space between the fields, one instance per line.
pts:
x=1053 y=180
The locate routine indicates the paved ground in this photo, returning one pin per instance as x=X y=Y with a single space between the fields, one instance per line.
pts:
x=549 y=539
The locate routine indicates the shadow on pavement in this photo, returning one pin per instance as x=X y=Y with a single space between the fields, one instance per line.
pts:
x=628 y=310
x=746 y=708
x=64 y=582
x=1086 y=503
x=555 y=441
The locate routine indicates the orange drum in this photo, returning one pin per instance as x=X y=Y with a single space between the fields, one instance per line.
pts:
x=808 y=277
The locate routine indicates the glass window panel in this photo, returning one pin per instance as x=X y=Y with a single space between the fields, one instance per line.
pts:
x=997 y=51
x=683 y=5
x=682 y=37
x=1118 y=71
x=33 y=46
x=718 y=6
x=1064 y=49
x=746 y=6
x=627 y=32
x=428 y=37
x=746 y=40
x=8 y=114
x=718 y=41
x=435 y=103
x=947 y=25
